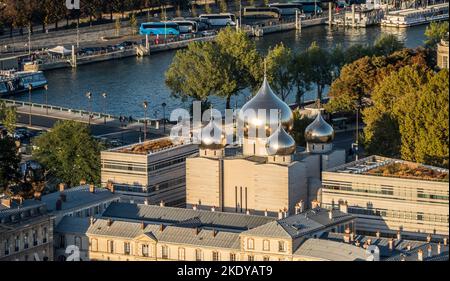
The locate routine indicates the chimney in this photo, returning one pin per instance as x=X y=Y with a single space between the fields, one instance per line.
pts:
x=429 y=250
x=197 y=230
x=7 y=202
x=62 y=186
x=194 y=207
x=145 y=201
x=330 y=214
x=82 y=182
x=297 y=209
x=161 y=204
x=285 y=212
x=213 y=208
x=391 y=244
x=439 y=248
x=378 y=234
x=247 y=212
x=58 y=205
x=352 y=236
x=315 y=204
x=399 y=235
x=265 y=213
x=280 y=214
x=420 y=255
x=109 y=222
x=92 y=188
x=63 y=197
x=366 y=245
x=110 y=186
x=91 y=220
x=445 y=241
x=343 y=207
x=347 y=235
x=408 y=247
x=161 y=227
x=357 y=244
x=142 y=225
x=428 y=238
x=214 y=232
x=369 y=241
x=301 y=206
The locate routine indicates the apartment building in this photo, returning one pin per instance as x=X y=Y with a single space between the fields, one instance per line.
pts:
x=390 y=195
x=149 y=172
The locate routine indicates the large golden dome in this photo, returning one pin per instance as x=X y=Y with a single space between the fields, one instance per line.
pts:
x=280 y=143
x=212 y=136
x=319 y=131
x=266 y=99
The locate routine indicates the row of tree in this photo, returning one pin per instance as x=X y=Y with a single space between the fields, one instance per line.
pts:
x=26 y=13
x=231 y=63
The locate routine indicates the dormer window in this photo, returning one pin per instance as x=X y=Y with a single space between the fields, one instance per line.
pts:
x=250 y=244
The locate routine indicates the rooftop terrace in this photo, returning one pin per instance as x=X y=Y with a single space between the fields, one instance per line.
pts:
x=147 y=147
x=387 y=167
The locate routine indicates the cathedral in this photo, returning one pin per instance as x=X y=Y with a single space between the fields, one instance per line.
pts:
x=268 y=174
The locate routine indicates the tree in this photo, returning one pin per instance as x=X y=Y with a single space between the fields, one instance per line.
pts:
x=356 y=52
x=279 y=72
x=133 y=24
x=69 y=153
x=435 y=32
x=320 y=68
x=8 y=117
x=208 y=9
x=300 y=124
x=386 y=44
x=194 y=10
x=117 y=26
x=9 y=162
x=222 y=68
x=223 y=6
x=299 y=70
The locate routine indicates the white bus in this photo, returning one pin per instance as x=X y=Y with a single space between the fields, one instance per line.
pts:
x=222 y=19
x=288 y=9
x=187 y=26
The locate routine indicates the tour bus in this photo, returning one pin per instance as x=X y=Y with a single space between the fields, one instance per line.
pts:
x=159 y=28
x=222 y=19
x=262 y=12
x=187 y=26
x=288 y=9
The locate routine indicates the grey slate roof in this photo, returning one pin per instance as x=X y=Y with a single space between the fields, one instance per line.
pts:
x=400 y=247
x=77 y=197
x=298 y=225
x=74 y=225
x=330 y=250
x=184 y=217
x=170 y=234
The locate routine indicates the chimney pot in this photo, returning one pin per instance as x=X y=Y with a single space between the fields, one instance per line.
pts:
x=357 y=243
x=420 y=255
x=82 y=182
x=247 y=212
x=408 y=247
x=315 y=204
x=161 y=204
x=297 y=209
x=445 y=241
x=197 y=230
x=378 y=234
x=213 y=209
x=142 y=225
x=428 y=238
x=330 y=214
x=301 y=206
x=62 y=186
x=391 y=244
x=92 y=188
x=37 y=195
x=343 y=207
x=399 y=235
x=214 y=233
x=91 y=220
x=161 y=227
x=58 y=205
x=429 y=250
x=369 y=241
x=109 y=222
x=265 y=213
x=194 y=207
x=439 y=248
x=145 y=201
x=280 y=214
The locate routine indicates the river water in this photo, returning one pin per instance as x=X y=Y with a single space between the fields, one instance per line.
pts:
x=130 y=81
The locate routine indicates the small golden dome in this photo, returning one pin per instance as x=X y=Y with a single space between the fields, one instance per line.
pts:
x=319 y=131
x=280 y=143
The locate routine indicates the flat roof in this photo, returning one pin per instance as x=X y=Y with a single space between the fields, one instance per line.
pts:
x=148 y=147
x=406 y=12
x=388 y=167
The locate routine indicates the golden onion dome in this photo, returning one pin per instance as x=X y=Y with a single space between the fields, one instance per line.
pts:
x=280 y=143
x=266 y=99
x=212 y=136
x=319 y=131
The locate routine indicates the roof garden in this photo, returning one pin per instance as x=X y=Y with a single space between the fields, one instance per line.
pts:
x=147 y=147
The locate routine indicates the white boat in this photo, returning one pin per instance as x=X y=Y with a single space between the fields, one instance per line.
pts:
x=411 y=17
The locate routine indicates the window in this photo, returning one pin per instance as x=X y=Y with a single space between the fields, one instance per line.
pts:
x=145 y=250
x=250 y=244
x=94 y=245
x=232 y=257
x=25 y=241
x=281 y=246
x=34 y=235
x=62 y=241
x=111 y=246
x=126 y=248
x=266 y=258
x=215 y=256
x=6 y=244
x=266 y=245
x=78 y=242
x=181 y=254
x=44 y=235
x=198 y=255
x=17 y=243
x=250 y=258
x=164 y=252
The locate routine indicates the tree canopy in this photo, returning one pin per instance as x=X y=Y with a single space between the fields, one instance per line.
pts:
x=69 y=153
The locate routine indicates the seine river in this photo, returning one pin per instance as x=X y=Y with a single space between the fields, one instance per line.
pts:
x=128 y=82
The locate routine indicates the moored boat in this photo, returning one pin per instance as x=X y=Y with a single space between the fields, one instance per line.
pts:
x=411 y=17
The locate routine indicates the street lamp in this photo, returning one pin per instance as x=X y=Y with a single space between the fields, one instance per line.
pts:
x=145 y=105
x=164 y=116
x=89 y=96
x=104 y=95
x=29 y=101
x=46 y=97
